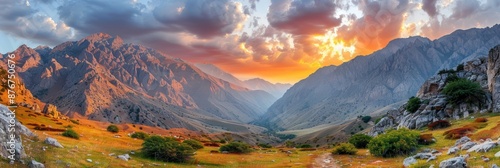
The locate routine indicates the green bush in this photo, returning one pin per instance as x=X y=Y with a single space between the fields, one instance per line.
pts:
x=460 y=67
x=112 y=128
x=413 y=104
x=236 y=147
x=193 y=143
x=304 y=146
x=394 y=143
x=71 y=134
x=451 y=78
x=345 y=149
x=366 y=119
x=446 y=71
x=166 y=149
x=464 y=91
x=139 y=135
x=360 y=140
x=265 y=145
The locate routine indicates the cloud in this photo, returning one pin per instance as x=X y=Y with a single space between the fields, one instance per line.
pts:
x=303 y=16
x=204 y=18
x=464 y=8
x=429 y=6
x=20 y=19
x=381 y=22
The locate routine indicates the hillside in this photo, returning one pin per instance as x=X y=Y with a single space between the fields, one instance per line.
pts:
x=336 y=93
x=102 y=78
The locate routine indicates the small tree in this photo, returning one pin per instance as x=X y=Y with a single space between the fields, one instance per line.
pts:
x=345 y=149
x=366 y=119
x=236 y=147
x=113 y=128
x=265 y=145
x=166 y=149
x=71 y=134
x=360 y=140
x=464 y=91
x=193 y=143
x=413 y=104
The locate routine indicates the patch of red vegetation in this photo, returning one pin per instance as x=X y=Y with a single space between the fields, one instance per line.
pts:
x=425 y=139
x=439 y=124
x=481 y=120
x=485 y=134
x=459 y=132
x=213 y=144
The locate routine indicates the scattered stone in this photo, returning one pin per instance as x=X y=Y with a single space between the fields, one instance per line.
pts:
x=462 y=140
x=494 y=166
x=456 y=162
x=111 y=154
x=409 y=161
x=89 y=160
x=468 y=145
x=35 y=164
x=132 y=152
x=497 y=154
x=433 y=157
x=423 y=156
x=53 y=142
x=124 y=157
x=452 y=150
x=484 y=147
x=224 y=152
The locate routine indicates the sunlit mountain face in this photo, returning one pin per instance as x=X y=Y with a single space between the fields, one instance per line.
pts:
x=280 y=41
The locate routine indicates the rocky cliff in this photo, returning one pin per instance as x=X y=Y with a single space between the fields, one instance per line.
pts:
x=435 y=105
x=335 y=94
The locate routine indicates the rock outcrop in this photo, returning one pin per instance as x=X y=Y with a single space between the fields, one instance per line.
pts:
x=10 y=135
x=436 y=107
x=53 y=142
x=51 y=111
x=456 y=162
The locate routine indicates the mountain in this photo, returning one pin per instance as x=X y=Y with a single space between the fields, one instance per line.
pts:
x=277 y=90
x=102 y=78
x=334 y=94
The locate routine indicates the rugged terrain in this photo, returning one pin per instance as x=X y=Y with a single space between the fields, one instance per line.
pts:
x=102 y=78
x=334 y=94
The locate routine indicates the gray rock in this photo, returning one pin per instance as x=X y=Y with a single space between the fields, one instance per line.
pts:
x=494 y=76
x=468 y=145
x=35 y=164
x=53 y=142
x=462 y=140
x=124 y=157
x=423 y=156
x=497 y=154
x=89 y=160
x=456 y=162
x=224 y=152
x=409 y=161
x=452 y=150
x=494 y=166
x=433 y=157
x=484 y=147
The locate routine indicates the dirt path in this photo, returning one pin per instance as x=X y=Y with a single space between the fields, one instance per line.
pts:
x=325 y=161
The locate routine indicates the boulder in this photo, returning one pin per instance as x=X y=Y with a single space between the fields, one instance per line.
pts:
x=493 y=73
x=423 y=156
x=35 y=164
x=409 y=161
x=124 y=157
x=51 y=111
x=483 y=147
x=53 y=142
x=452 y=150
x=494 y=166
x=468 y=145
x=497 y=154
x=433 y=157
x=456 y=162
x=462 y=140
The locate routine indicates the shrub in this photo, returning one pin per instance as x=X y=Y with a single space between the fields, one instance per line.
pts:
x=463 y=91
x=425 y=139
x=445 y=71
x=112 y=128
x=166 y=149
x=438 y=124
x=139 y=135
x=413 y=104
x=481 y=119
x=71 y=134
x=289 y=144
x=75 y=122
x=460 y=67
x=304 y=146
x=265 y=145
x=222 y=141
x=345 y=149
x=193 y=143
x=360 y=140
x=366 y=119
x=458 y=132
x=236 y=147
x=394 y=143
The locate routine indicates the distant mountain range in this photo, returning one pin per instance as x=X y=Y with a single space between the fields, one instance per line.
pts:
x=334 y=94
x=277 y=90
x=102 y=78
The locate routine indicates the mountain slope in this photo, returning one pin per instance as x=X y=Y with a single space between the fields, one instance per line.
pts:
x=101 y=78
x=335 y=93
x=277 y=90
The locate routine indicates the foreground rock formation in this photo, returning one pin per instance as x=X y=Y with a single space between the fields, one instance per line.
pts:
x=11 y=147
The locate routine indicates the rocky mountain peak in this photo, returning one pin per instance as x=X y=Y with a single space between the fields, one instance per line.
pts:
x=98 y=37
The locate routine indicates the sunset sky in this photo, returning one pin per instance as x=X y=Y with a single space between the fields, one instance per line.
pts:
x=277 y=40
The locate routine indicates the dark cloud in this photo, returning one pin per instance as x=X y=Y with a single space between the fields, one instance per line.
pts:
x=204 y=18
x=465 y=8
x=303 y=16
x=253 y=4
x=429 y=6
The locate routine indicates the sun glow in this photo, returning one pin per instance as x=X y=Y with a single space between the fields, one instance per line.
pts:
x=330 y=47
